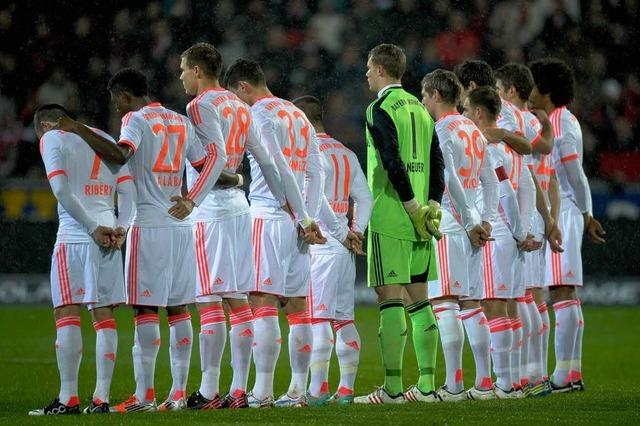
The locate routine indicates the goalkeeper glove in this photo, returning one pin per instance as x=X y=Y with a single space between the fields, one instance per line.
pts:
x=419 y=216
x=434 y=216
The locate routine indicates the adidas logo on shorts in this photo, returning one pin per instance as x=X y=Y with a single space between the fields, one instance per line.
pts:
x=456 y=284
x=267 y=281
x=502 y=287
x=80 y=292
x=392 y=274
x=321 y=308
x=570 y=275
x=218 y=281
x=146 y=293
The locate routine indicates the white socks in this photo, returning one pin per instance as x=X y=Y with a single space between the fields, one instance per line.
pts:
x=546 y=326
x=106 y=349
x=566 y=332
x=241 y=338
x=320 y=357
x=213 y=336
x=181 y=342
x=534 y=356
x=576 y=359
x=266 y=349
x=348 y=352
x=514 y=354
x=452 y=338
x=477 y=327
x=300 y=347
x=68 y=355
x=501 y=343
x=145 y=352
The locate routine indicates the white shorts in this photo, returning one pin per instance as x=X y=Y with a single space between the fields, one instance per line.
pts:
x=85 y=273
x=502 y=265
x=475 y=259
x=332 y=290
x=282 y=261
x=566 y=268
x=160 y=266
x=533 y=272
x=224 y=258
x=453 y=278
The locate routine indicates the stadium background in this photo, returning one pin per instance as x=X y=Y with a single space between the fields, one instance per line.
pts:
x=65 y=52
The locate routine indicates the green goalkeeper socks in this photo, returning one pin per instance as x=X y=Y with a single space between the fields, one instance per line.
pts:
x=393 y=336
x=425 y=342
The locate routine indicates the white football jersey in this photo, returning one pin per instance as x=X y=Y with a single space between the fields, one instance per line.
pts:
x=90 y=179
x=162 y=141
x=567 y=146
x=463 y=147
x=282 y=123
x=344 y=179
x=220 y=117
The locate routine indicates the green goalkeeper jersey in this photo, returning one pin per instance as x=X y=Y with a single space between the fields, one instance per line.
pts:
x=399 y=135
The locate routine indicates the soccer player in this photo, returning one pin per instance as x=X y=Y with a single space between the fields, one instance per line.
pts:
x=553 y=90
x=333 y=269
x=281 y=258
x=405 y=174
x=509 y=132
x=86 y=266
x=160 y=262
x=503 y=258
x=514 y=83
x=466 y=167
x=223 y=228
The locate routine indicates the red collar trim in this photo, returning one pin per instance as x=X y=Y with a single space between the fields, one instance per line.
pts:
x=447 y=114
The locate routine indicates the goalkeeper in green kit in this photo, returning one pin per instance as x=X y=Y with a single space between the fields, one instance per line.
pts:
x=405 y=173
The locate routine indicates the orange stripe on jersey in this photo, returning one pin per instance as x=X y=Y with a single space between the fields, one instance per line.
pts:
x=95 y=169
x=336 y=168
x=571 y=157
x=199 y=163
x=126 y=118
x=206 y=171
x=122 y=179
x=56 y=173
x=347 y=178
x=128 y=143
x=537 y=139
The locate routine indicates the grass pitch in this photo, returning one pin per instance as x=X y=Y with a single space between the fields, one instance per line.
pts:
x=29 y=379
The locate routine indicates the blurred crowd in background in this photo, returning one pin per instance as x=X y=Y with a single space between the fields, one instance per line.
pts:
x=66 y=54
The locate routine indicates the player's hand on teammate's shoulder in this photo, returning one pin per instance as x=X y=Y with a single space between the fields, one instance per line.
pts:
x=493 y=134
x=182 y=207
x=594 y=229
x=67 y=124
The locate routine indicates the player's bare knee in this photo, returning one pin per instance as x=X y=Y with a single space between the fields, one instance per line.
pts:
x=494 y=308
x=561 y=293
x=469 y=304
x=177 y=310
x=101 y=314
x=66 y=311
x=143 y=310
x=260 y=300
x=295 y=304
x=440 y=300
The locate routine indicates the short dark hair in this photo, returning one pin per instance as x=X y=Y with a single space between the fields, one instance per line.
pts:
x=129 y=80
x=48 y=112
x=486 y=97
x=311 y=106
x=391 y=58
x=479 y=72
x=517 y=76
x=553 y=77
x=244 y=70
x=206 y=56
x=446 y=83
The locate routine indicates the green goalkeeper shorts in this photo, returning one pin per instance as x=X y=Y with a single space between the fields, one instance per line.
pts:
x=394 y=261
